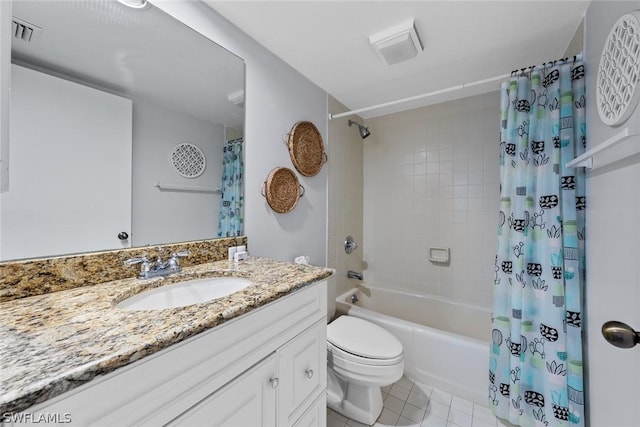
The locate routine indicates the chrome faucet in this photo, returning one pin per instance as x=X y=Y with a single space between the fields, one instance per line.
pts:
x=354 y=275
x=160 y=268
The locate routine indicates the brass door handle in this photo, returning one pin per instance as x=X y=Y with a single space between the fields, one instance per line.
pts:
x=620 y=334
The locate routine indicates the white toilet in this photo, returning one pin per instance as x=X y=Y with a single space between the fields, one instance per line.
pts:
x=361 y=358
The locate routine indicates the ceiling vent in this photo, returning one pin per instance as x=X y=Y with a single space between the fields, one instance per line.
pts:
x=398 y=43
x=23 y=30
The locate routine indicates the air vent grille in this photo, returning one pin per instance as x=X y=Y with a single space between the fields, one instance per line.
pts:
x=617 y=93
x=188 y=160
x=25 y=31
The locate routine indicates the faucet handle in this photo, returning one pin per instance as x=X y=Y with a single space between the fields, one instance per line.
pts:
x=136 y=260
x=181 y=254
x=145 y=265
x=173 y=262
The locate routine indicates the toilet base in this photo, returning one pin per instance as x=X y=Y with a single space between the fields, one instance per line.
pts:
x=358 y=402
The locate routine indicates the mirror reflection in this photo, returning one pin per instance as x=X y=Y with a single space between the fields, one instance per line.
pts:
x=126 y=129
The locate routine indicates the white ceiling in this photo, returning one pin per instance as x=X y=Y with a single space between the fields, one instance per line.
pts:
x=464 y=41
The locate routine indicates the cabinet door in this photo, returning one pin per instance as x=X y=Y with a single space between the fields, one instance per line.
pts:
x=302 y=364
x=249 y=400
x=316 y=416
x=70 y=175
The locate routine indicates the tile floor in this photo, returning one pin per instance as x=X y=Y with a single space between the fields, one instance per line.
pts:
x=411 y=404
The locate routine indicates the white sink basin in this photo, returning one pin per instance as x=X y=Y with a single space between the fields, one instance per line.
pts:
x=184 y=293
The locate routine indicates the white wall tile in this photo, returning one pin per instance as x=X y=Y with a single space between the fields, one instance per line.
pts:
x=431 y=179
x=446 y=154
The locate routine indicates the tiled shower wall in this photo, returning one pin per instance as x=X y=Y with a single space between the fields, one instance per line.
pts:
x=431 y=179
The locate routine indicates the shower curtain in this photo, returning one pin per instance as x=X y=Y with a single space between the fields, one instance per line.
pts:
x=231 y=217
x=535 y=372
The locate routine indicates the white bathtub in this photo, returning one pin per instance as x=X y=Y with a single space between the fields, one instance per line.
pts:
x=446 y=344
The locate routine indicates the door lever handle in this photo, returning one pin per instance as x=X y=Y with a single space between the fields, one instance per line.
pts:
x=620 y=334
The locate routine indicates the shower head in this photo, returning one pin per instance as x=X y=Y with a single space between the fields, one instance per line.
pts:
x=364 y=132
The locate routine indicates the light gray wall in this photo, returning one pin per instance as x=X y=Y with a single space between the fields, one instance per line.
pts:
x=170 y=216
x=612 y=230
x=5 y=60
x=277 y=97
x=576 y=45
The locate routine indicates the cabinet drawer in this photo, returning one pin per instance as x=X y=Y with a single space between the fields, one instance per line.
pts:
x=302 y=364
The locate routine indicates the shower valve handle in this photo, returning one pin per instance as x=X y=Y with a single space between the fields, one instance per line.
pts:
x=350 y=245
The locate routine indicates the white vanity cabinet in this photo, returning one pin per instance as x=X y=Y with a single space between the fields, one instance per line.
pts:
x=264 y=368
x=275 y=392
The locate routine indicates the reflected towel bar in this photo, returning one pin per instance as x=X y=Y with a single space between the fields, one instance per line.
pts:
x=189 y=188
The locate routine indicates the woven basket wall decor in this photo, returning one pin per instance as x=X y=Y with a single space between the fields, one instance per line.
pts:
x=306 y=148
x=282 y=190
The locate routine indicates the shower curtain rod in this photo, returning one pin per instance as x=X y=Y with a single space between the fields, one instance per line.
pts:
x=577 y=57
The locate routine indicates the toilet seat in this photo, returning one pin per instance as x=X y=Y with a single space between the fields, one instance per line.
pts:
x=357 y=340
x=346 y=356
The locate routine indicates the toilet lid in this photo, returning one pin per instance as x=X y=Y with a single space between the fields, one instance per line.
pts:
x=363 y=338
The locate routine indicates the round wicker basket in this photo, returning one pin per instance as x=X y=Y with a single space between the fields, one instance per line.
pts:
x=282 y=190
x=306 y=149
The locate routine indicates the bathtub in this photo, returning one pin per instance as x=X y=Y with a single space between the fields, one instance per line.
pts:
x=446 y=344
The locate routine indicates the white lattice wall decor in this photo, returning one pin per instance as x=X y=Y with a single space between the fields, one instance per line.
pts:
x=619 y=71
x=188 y=160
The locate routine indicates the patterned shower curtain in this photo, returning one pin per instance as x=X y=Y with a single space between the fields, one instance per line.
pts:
x=535 y=370
x=231 y=217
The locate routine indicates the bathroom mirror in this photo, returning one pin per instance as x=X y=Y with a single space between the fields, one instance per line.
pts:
x=174 y=85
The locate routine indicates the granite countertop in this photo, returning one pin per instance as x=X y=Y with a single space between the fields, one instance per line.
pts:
x=54 y=342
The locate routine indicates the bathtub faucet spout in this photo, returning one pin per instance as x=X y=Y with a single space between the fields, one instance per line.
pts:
x=354 y=275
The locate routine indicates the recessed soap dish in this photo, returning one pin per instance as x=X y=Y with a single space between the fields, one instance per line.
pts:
x=439 y=255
